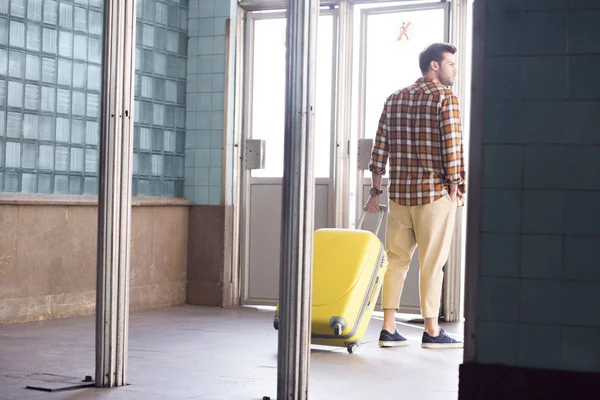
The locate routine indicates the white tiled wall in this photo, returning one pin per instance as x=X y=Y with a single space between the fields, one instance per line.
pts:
x=539 y=290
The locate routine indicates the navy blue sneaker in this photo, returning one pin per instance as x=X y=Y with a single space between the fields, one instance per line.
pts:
x=442 y=341
x=387 y=339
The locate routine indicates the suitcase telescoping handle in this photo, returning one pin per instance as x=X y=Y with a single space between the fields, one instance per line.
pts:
x=383 y=209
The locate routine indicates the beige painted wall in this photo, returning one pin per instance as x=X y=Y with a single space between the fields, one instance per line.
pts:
x=48 y=255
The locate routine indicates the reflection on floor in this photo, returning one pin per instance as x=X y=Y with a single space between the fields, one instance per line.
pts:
x=215 y=353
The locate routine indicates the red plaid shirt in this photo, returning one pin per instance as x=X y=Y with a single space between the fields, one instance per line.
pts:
x=420 y=131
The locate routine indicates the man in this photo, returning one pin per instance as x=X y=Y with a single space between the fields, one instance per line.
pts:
x=420 y=133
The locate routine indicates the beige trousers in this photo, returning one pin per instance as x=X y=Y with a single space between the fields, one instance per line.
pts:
x=430 y=227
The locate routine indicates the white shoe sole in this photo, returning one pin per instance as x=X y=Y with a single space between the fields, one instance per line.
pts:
x=393 y=344
x=442 y=345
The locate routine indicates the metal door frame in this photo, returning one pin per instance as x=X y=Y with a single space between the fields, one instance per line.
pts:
x=341 y=209
x=248 y=18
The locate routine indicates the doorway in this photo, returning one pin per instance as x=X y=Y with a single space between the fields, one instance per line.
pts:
x=366 y=50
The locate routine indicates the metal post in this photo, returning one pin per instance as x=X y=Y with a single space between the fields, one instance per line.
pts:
x=114 y=199
x=298 y=202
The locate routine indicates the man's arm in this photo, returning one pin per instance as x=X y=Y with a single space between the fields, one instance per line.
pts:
x=452 y=153
x=379 y=158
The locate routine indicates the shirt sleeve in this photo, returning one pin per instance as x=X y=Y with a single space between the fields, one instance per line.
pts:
x=452 y=147
x=379 y=156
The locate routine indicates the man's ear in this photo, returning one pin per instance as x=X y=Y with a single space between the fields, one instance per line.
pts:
x=434 y=66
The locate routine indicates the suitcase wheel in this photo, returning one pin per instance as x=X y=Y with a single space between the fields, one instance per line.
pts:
x=352 y=348
x=276 y=323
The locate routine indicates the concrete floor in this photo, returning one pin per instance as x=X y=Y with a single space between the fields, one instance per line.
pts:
x=214 y=353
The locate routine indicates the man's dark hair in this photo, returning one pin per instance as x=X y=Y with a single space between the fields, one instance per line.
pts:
x=434 y=52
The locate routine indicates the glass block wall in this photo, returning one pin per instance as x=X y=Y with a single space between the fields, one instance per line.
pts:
x=50 y=82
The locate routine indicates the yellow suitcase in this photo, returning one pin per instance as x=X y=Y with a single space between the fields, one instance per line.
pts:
x=348 y=270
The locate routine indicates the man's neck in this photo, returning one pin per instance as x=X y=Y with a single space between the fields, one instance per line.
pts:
x=431 y=77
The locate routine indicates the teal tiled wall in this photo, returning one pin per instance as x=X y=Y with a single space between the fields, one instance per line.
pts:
x=206 y=140
x=539 y=285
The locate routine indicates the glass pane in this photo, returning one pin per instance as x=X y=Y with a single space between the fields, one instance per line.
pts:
x=32 y=67
x=94 y=78
x=65 y=44
x=159 y=114
x=46 y=128
x=160 y=39
x=63 y=101
x=144 y=164
x=81 y=22
x=3 y=89
x=3 y=62
x=92 y=133
x=15 y=94
x=16 y=64
x=157 y=140
x=79 y=104
x=160 y=63
x=13 y=155
x=81 y=47
x=95 y=50
x=46 y=158
x=14 y=124
x=172 y=41
x=161 y=13
x=49 y=41
x=91 y=161
x=12 y=182
x=4 y=32
x=17 y=34
x=145 y=139
x=66 y=16
x=179 y=167
x=79 y=74
x=29 y=183
x=62 y=158
x=169 y=141
x=95 y=23
x=49 y=70
x=93 y=105
x=32 y=97
x=268 y=110
x=323 y=102
x=45 y=183
x=2 y=122
x=30 y=126
x=34 y=10
x=387 y=68
x=147 y=86
x=50 y=11
x=63 y=130
x=34 y=37
x=61 y=184
x=65 y=72
x=77 y=131
x=76 y=159
x=148 y=35
x=75 y=184
x=159 y=89
x=30 y=155
x=17 y=8
x=157 y=165
x=90 y=185
x=171 y=91
x=170 y=116
x=48 y=99
x=1 y=159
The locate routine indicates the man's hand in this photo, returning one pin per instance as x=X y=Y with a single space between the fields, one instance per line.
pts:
x=373 y=204
x=453 y=193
